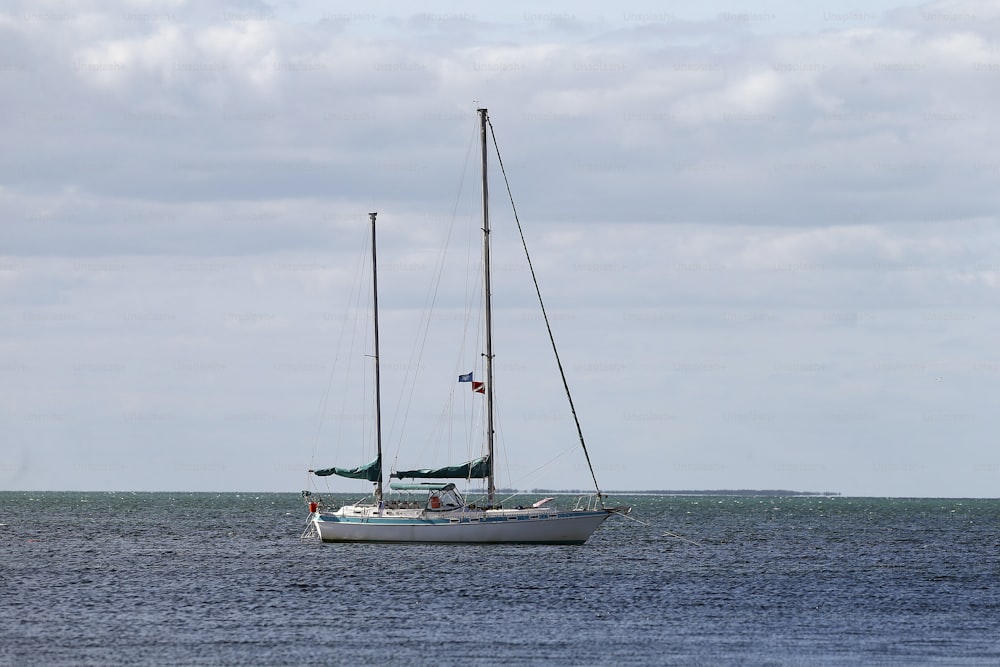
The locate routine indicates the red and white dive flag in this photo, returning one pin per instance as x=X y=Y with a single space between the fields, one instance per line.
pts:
x=478 y=387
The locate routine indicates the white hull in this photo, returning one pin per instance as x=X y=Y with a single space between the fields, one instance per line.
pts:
x=462 y=526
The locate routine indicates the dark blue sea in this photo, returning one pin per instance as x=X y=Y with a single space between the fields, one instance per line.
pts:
x=224 y=579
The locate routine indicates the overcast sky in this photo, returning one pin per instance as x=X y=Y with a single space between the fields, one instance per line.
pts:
x=767 y=232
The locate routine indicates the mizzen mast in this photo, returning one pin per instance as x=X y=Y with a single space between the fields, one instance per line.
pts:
x=378 y=386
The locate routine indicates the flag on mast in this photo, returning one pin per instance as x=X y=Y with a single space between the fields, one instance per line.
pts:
x=478 y=387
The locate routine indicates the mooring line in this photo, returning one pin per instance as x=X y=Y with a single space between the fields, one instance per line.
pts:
x=681 y=537
x=666 y=533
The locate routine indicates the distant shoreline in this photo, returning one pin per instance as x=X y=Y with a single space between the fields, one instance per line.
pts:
x=687 y=492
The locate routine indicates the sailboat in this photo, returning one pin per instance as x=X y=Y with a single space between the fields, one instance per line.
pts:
x=440 y=513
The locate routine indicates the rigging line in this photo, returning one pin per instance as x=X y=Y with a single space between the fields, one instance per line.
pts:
x=545 y=316
x=333 y=369
x=429 y=309
x=498 y=423
x=555 y=458
x=365 y=397
x=513 y=495
x=524 y=478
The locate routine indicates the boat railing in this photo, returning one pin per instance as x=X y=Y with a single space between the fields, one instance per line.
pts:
x=588 y=503
x=402 y=504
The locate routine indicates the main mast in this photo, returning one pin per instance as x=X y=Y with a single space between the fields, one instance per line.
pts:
x=378 y=387
x=488 y=310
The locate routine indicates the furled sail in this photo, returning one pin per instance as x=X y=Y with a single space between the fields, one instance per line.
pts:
x=475 y=469
x=371 y=471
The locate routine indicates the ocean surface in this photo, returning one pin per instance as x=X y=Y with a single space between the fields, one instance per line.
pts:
x=224 y=579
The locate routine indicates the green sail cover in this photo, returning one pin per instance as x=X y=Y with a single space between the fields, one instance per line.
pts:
x=371 y=471
x=475 y=469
